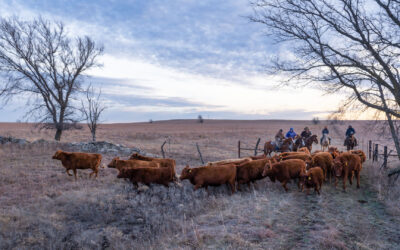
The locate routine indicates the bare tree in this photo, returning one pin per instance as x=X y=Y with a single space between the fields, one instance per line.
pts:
x=92 y=110
x=40 y=62
x=347 y=46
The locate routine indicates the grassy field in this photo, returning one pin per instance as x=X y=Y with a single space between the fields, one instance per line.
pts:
x=42 y=207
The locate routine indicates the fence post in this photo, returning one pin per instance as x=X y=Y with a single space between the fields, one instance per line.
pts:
x=198 y=150
x=162 y=149
x=256 y=148
x=369 y=149
x=375 y=157
x=385 y=156
x=238 y=149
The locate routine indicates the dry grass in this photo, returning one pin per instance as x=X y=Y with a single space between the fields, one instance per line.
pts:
x=41 y=207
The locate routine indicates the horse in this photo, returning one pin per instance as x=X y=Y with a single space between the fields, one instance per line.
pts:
x=310 y=140
x=324 y=142
x=350 y=142
x=269 y=146
x=298 y=143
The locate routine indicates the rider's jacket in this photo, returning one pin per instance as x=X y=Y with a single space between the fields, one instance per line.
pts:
x=306 y=134
x=325 y=131
x=350 y=131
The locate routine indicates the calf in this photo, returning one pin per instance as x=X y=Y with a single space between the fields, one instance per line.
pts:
x=312 y=178
x=76 y=161
x=345 y=165
x=146 y=175
x=323 y=160
x=167 y=162
x=210 y=176
x=284 y=171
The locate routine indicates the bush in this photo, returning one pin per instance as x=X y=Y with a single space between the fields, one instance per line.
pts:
x=200 y=119
x=315 y=120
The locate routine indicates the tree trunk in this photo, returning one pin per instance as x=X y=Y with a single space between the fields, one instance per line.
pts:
x=57 y=137
x=94 y=135
x=394 y=134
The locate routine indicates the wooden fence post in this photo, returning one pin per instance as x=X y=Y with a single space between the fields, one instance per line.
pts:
x=375 y=157
x=238 y=149
x=162 y=149
x=369 y=149
x=256 y=148
x=198 y=150
x=385 y=156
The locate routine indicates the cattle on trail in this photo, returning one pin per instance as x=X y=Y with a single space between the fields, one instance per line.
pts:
x=284 y=171
x=323 y=160
x=167 y=162
x=302 y=156
x=346 y=165
x=146 y=175
x=74 y=161
x=334 y=152
x=210 y=176
x=313 y=177
x=269 y=146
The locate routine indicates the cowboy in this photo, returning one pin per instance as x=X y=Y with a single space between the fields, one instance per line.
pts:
x=306 y=133
x=325 y=132
x=291 y=133
x=350 y=132
x=279 y=137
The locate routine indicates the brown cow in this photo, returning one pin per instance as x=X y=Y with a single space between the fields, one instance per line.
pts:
x=334 y=152
x=167 y=162
x=229 y=161
x=210 y=176
x=251 y=171
x=360 y=153
x=76 y=161
x=302 y=156
x=284 y=171
x=312 y=178
x=120 y=164
x=146 y=175
x=304 y=150
x=323 y=160
x=345 y=165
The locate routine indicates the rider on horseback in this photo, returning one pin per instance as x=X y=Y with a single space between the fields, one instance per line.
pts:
x=306 y=133
x=291 y=133
x=349 y=133
x=325 y=132
x=279 y=137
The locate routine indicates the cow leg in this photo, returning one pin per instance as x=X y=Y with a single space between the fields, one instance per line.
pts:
x=344 y=181
x=68 y=172
x=317 y=188
x=74 y=173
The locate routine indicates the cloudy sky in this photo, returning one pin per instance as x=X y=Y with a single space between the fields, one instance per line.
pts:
x=178 y=59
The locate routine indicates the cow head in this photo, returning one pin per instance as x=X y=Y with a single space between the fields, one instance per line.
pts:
x=58 y=155
x=267 y=168
x=134 y=156
x=113 y=163
x=338 y=167
x=187 y=172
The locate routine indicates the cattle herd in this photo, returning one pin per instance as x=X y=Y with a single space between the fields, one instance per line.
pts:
x=309 y=170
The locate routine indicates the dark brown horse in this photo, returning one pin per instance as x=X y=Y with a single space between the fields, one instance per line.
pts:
x=350 y=142
x=309 y=141
x=287 y=145
x=298 y=143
